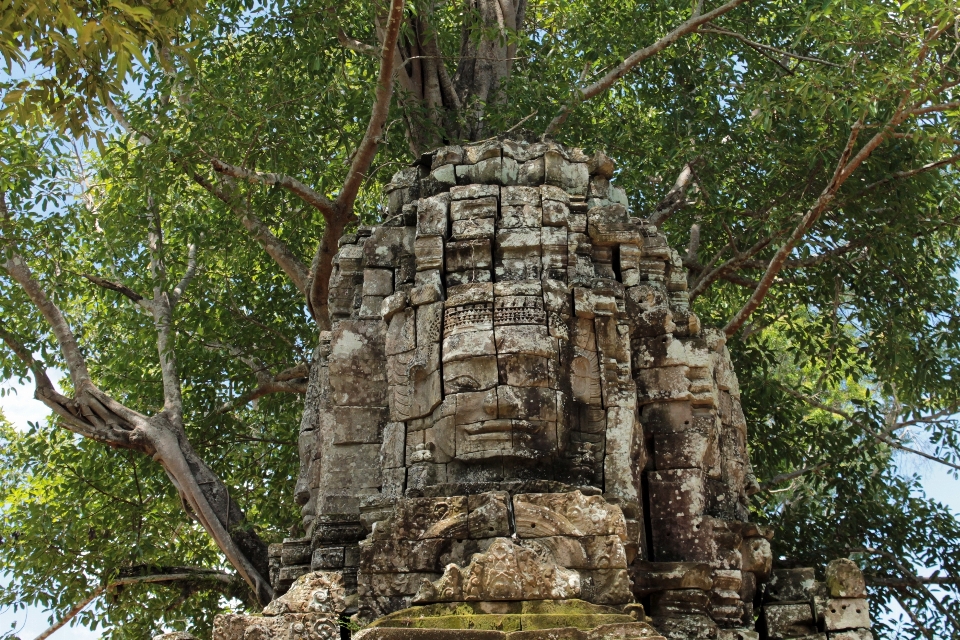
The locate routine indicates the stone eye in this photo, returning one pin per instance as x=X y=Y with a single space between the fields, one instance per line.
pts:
x=465 y=382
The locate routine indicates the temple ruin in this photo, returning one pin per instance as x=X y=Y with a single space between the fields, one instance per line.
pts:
x=517 y=428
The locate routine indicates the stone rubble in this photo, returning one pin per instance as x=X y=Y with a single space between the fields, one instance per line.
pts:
x=515 y=403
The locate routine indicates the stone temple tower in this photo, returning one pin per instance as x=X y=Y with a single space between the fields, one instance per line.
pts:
x=518 y=427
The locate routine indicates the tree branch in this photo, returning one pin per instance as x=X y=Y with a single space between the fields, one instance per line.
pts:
x=275 y=248
x=880 y=437
x=724 y=269
x=899 y=175
x=607 y=81
x=676 y=198
x=316 y=200
x=845 y=167
x=378 y=116
x=113 y=286
x=936 y=108
x=96 y=415
x=17 y=267
x=354 y=45
x=812 y=261
x=759 y=45
x=152 y=579
x=792 y=475
x=188 y=275
x=878 y=581
x=322 y=266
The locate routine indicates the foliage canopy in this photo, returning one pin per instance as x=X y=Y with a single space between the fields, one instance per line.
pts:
x=803 y=152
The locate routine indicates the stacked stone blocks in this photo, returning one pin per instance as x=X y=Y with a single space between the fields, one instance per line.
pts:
x=507 y=343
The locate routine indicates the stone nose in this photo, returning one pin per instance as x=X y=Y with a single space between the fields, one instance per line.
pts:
x=490 y=404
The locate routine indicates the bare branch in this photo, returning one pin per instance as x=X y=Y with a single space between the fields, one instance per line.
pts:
x=354 y=45
x=322 y=265
x=378 y=116
x=725 y=269
x=927 y=633
x=877 y=581
x=260 y=232
x=845 y=167
x=96 y=415
x=123 y=122
x=305 y=193
x=880 y=437
x=760 y=45
x=291 y=380
x=900 y=175
x=17 y=267
x=113 y=286
x=170 y=577
x=792 y=475
x=607 y=81
x=676 y=198
x=936 y=108
x=811 y=261
x=273 y=386
x=188 y=275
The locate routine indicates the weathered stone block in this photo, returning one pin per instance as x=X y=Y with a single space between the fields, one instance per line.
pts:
x=845 y=580
x=791 y=585
x=605 y=586
x=539 y=515
x=473 y=191
x=572 y=177
x=387 y=244
x=468 y=254
x=429 y=252
x=291 y=626
x=690 y=627
x=674 y=602
x=788 y=620
x=475 y=209
x=473 y=229
x=432 y=215
x=676 y=493
x=359 y=425
x=851 y=634
x=423 y=518
x=488 y=515
x=447 y=155
x=391 y=451
x=468 y=276
x=295 y=551
x=377 y=282
x=519 y=216
x=403 y=556
x=757 y=556
x=846 y=613
x=685 y=450
x=649 y=577
x=327 y=558
x=468 y=344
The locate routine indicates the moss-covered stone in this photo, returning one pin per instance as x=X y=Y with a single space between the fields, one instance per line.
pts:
x=527 y=620
x=565 y=607
x=576 y=620
x=483 y=622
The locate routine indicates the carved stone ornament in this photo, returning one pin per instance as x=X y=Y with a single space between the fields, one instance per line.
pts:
x=504 y=572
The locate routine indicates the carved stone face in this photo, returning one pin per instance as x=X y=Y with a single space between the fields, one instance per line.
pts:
x=500 y=368
x=503 y=396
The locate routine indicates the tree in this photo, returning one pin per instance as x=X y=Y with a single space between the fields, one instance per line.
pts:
x=803 y=153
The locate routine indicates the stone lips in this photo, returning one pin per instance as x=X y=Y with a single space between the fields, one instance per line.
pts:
x=510 y=323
